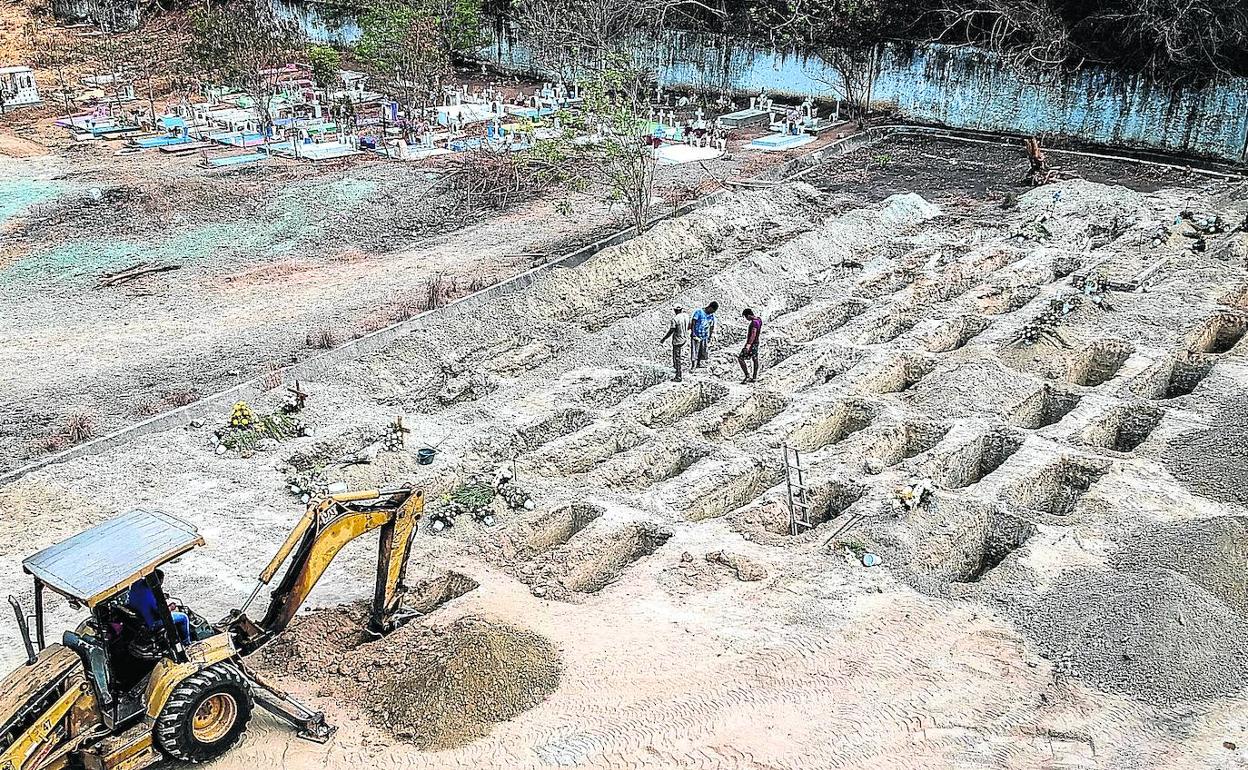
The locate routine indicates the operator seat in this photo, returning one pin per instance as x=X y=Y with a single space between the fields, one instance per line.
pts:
x=141 y=642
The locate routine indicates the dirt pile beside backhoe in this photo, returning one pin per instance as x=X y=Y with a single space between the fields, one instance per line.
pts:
x=436 y=687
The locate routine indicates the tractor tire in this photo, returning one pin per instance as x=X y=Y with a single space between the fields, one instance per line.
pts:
x=206 y=715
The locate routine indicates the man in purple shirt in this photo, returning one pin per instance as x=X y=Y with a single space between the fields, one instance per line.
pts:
x=750 y=351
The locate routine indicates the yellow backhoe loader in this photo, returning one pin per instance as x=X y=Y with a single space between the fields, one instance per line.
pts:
x=143 y=679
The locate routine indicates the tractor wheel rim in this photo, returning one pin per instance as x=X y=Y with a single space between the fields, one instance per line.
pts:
x=214 y=718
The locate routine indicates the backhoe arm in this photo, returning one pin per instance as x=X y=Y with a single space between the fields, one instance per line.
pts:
x=326 y=528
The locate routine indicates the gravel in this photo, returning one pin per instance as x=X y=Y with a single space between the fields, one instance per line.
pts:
x=1214 y=461
x=1148 y=634
x=1212 y=553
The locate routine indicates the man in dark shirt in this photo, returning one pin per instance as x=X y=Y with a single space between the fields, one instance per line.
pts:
x=143 y=601
x=750 y=351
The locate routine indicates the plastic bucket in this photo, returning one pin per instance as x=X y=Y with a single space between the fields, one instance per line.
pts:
x=425 y=456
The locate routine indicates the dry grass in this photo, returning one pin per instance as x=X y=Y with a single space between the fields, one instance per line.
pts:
x=270 y=272
x=171 y=400
x=436 y=291
x=79 y=428
x=76 y=429
x=323 y=338
x=52 y=443
x=273 y=376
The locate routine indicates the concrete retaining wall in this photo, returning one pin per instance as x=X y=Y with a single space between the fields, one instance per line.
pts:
x=320 y=22
x=963 y=88
x=950 y=86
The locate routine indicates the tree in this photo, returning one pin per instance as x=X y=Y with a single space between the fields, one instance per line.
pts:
x=59 y=51
x=617 y=96
x=845 y=34
x=325 y=62
x=460 y=22
x=1172 y=41
x=243 y=44
x=573 y=37
x=590 y=41
x=406 y=48
x=155 y=55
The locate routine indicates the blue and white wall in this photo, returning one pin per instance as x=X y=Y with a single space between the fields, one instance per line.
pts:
x=968 y=88
x=951 y=86
x=320 y=22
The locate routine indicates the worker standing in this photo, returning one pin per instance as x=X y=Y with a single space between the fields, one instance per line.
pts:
x=678 y=331
x=749 y=353
x=700 y=334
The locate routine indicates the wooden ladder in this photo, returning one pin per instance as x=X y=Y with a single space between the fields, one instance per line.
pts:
x=799 y=495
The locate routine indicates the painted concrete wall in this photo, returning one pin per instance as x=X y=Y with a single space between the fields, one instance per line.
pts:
x=969 y=89
x=966 y=88
x=957 y=87
x=319 y=23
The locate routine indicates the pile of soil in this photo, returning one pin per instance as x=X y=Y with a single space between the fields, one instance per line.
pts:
x=444 y=687
x=434 y=687
x=1212 y=553
x=1148 y=634
x=1214 y=461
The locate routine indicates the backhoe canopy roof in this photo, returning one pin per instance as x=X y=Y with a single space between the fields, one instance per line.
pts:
x=101 y=562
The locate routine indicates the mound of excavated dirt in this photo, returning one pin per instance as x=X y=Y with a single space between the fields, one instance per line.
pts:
x=315 y=643
x=443 y=687
x=436 y=687
x=1212 y=553
x=1147 y=634
x=1214 y=461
